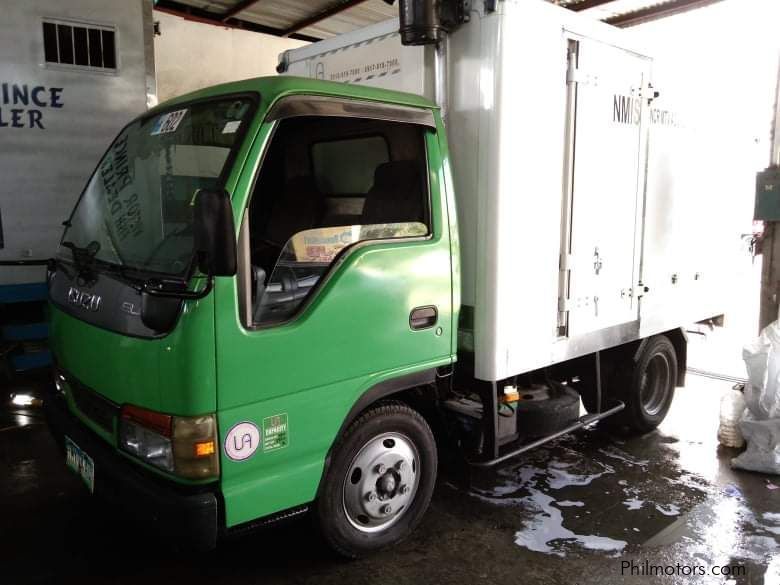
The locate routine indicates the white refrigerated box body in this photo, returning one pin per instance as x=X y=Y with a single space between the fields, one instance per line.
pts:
x=589 y=208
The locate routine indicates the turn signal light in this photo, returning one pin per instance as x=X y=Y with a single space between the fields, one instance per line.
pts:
x=204 y=449
x=183 y=445
x=195 y=446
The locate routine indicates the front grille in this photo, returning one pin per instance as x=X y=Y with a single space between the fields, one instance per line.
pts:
x=99 y=410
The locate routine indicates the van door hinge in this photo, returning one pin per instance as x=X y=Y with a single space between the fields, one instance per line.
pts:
x=637 y=292
x=650 y=93
x=581 y=77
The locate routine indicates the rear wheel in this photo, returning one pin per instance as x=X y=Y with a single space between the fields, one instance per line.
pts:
x=648 y=389
x=379 y=482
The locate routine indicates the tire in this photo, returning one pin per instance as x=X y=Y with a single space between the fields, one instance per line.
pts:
x=385 y=435
x=538 y=418
x=647 y=389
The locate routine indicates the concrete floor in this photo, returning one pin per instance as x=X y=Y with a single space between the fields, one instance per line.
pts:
x=570 y=513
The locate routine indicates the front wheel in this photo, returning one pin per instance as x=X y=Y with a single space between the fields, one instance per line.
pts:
x=379 y=482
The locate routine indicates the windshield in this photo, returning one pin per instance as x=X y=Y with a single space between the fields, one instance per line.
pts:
x=135 y=211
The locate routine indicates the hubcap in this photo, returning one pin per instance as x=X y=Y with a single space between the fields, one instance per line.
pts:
x=654 y=384
x=381 y=482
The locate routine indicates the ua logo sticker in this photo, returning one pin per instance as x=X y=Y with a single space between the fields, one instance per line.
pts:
x=242 y=441
x=246 y=441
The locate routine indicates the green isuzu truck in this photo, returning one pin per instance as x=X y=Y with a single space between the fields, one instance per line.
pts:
x=213 y=389
x=288 y=294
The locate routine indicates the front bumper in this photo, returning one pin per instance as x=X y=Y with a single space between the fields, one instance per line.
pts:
x=187 y=516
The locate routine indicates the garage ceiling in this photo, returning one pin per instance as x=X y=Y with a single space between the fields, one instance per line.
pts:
x=632 y=12
x=312 y=20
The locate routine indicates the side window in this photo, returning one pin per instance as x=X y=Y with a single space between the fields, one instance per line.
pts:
x=333 y=177
x=327 y=183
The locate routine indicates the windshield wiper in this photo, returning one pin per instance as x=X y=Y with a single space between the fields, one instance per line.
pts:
x=119 y=269
x=84 y=258
x=155 y=286
x=175 y=288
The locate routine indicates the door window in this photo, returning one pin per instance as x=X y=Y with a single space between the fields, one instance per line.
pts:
x=327 y=183
x=333 y=177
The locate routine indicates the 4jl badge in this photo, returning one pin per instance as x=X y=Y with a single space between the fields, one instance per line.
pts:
x=276 y=432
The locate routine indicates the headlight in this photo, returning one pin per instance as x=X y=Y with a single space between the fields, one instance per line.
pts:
x=185 y=446
x=60 y=382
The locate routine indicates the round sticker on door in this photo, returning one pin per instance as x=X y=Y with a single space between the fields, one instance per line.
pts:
x=242 y=441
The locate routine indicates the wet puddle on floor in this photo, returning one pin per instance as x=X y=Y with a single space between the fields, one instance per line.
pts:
x=562 y=489
x=587 y=495
x=669 y=496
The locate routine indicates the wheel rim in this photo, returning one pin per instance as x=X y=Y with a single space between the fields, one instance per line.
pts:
x=654 y=385
x=381 y=482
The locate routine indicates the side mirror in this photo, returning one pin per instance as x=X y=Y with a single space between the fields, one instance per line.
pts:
x=159 y=313
x=214 y=232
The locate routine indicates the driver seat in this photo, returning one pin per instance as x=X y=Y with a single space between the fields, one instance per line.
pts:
x=396 y=195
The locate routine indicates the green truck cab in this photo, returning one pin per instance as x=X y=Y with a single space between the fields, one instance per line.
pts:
x=257 y=284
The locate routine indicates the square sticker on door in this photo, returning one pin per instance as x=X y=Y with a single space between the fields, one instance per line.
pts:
x=276 y=432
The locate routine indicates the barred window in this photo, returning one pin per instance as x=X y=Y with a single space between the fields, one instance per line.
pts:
x=80 y=45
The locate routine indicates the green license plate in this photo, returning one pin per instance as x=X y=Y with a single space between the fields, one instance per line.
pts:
x=80 y=463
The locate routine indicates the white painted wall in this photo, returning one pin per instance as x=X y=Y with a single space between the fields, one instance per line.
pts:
x=191 y=55
x=43 y=168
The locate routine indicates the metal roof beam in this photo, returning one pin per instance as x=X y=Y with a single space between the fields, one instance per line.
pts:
x=206 y=17
x=651 y=13
x=240 y=7
x=586 y=4
x=320 y=16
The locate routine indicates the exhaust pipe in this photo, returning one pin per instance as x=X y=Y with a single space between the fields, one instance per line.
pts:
x=441 y=78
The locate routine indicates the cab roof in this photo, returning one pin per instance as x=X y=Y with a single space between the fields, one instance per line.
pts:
x=274 y=87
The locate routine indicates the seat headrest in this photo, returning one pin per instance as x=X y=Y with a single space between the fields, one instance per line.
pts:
x=398 y=175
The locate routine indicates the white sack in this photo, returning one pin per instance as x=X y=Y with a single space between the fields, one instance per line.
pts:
x=762 y=359
x=761 y=424
x=763 y=445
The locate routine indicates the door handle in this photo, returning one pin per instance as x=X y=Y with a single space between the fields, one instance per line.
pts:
x=423 y=317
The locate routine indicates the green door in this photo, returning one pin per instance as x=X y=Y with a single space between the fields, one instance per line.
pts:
x=346 y=281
